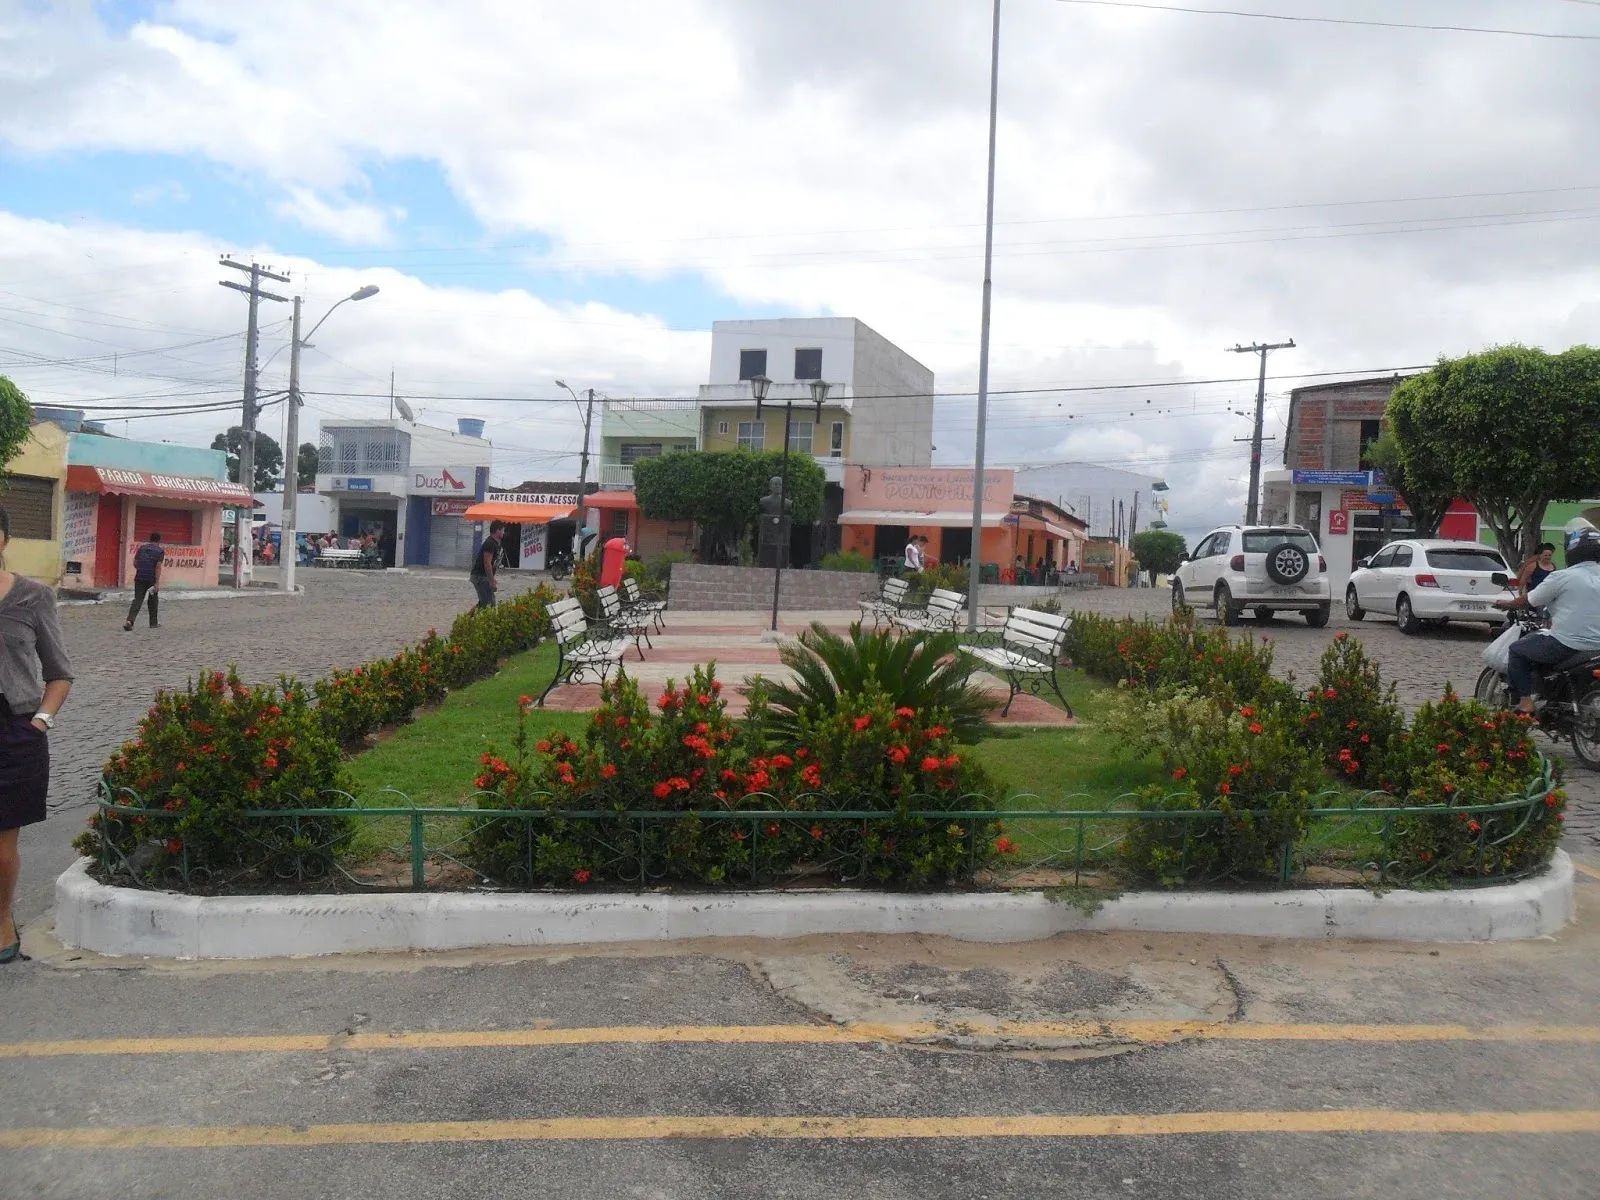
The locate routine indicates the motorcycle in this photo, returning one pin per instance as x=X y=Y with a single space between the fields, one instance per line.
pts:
x=1567 y=693
x=560 y=565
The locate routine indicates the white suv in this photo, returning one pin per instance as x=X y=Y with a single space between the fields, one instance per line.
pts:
x=1265 y=568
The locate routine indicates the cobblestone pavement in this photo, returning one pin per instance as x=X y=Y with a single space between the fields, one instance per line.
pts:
x=1419 y=666
x=344 y=618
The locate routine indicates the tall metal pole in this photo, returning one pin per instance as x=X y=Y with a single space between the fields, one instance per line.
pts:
x=780 y=550
x=983 y=342
x=244 y=518
x=288 y=554
x=583 y=462
x=1252 y=509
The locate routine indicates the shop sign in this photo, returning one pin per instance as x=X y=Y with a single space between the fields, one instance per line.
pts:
x=352 y=484
x=446 y=481
x=1333 y=478
x=532 y=557
x=926 y=489
x=451 y=508
x=1338 y=521
x=534 y=497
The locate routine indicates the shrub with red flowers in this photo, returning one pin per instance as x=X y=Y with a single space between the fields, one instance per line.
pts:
x=1349 y=713
x=204 y=756
x=749 y=805
x=1177 y=652
x=1459 y=754
x=1249 y=768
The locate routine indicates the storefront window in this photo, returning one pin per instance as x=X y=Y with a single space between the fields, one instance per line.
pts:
x=1369 y=531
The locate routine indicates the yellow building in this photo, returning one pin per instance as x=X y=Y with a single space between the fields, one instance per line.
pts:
x=33 y=492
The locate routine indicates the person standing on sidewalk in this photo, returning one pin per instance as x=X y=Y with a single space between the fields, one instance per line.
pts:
x=147 y=560
x=35 y=677
x=485 y=565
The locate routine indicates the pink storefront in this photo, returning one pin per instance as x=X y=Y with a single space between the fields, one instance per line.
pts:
x=111 y=511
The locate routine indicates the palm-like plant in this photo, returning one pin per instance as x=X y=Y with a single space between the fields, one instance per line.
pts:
x=917 y=670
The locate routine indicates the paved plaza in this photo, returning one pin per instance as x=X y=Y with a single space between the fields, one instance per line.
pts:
x=1094 y=1066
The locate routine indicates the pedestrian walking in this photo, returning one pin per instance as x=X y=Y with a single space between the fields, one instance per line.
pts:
x=35 y=677
x=486 y=564
x=147 y=560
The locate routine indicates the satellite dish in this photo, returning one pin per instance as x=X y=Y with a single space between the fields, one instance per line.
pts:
x=404 y=410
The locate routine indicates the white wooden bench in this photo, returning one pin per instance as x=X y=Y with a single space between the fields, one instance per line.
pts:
x=634 y=600
x=1028 y=650
x=628 y=623
x=886 y=604
x=945 y=612
x=334 y=557
x=582 y=650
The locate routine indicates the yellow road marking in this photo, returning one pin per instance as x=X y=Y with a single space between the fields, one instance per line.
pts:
x=1126 y=1031
x=181 y=1137
x=1586 y=869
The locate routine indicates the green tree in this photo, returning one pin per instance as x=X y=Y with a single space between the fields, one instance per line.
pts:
x=16 y=419
x=269 y=457
x=1425 y=487
x=1510 y=429
x=306 y=463
x=1159 y=550
x=721 y=491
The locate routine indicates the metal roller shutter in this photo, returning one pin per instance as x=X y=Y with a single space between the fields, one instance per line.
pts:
x=30 y=503
x=176 y=525
x=450 y=543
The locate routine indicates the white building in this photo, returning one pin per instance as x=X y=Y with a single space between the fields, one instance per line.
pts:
x=1111 y=501
x=407 y=483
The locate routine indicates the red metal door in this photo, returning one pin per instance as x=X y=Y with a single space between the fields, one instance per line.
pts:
x=175 y=525
x=108 y=542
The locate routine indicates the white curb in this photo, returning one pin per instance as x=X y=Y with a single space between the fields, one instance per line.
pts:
x=129 y=921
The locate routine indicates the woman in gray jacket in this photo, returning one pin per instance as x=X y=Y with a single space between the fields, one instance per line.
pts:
x=35 y=677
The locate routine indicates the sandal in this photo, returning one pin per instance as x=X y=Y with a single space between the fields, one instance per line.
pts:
x=12 y=952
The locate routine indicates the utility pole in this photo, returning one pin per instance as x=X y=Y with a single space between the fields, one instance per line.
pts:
x=983 y=337
x=583 y=461
x=288 y=553
x=1252 y=510
x=244 y=519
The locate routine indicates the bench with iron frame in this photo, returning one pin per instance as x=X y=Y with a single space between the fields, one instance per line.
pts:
x=635 y=600
x=944 y=612
x=583 y=649
x=886 y=603
x=1027 y=652
x=623 y=620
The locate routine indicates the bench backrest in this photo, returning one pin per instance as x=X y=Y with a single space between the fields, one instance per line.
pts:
x=630 y=587
x=946 y=603
x=894 y=590
x=1040 y=632
x=333 y=552
x=610 y=603
x=567 y=621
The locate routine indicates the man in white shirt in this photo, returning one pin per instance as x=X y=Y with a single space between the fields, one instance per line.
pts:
x=913 y=555
x=1572 y=598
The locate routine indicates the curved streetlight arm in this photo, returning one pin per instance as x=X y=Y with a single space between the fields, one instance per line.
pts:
x=358 y=294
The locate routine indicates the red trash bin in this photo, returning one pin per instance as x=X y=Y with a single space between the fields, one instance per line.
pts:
x=616 y=550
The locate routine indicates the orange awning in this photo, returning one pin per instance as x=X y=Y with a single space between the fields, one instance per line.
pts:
x=611 y=500
x=518 y=514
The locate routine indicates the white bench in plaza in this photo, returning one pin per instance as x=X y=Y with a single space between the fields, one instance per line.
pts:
x=334 y=557
x=634 y=600
x=885 y=606
x=1028 y=650
x=582 y=651
x=623 y=620
x=945 y=612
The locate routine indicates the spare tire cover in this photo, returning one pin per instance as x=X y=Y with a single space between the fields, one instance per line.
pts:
x=1287 y=563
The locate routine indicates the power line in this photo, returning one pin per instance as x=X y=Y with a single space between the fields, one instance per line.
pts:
x=1314 y=20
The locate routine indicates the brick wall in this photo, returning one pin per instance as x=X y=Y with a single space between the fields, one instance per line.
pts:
x=1323 y=420
x=697 y=587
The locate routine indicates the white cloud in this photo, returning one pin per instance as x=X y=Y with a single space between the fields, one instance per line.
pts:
x=351 y=222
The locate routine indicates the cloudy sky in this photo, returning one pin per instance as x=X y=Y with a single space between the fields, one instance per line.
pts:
x=545 y=189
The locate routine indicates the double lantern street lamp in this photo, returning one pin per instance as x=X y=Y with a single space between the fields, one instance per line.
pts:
x=288 y=553
x=760 y=385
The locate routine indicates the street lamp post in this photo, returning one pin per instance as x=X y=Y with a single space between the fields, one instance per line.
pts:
x=288 y=554
x=583 y=461
x=759 y=387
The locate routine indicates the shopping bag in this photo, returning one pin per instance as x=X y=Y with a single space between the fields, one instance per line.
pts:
x=1498 y=652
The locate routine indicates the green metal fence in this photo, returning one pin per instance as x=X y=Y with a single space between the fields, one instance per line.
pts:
x=349 y=846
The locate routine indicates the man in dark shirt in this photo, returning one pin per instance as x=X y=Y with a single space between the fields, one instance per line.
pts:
x=147 y=560
x=483 y=567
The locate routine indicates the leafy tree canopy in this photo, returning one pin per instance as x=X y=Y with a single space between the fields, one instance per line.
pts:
x=306 y=464
x=269 y=457
x=1159 y=550
x=16 y=418
x=1427 y=490
x=1510 y=429
x=722 y=489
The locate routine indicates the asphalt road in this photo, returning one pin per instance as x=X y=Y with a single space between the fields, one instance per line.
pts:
x=882 y=1067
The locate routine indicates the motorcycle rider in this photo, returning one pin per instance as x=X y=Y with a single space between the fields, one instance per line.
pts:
x=1572 y=598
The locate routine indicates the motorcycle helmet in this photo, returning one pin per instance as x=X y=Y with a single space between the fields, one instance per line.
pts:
x=1583 y=541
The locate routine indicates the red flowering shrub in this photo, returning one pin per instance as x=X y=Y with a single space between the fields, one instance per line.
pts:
x=1348 y=713
x=204 y=756
x=1459 y=753
x=680 y=752
x=1176 y=652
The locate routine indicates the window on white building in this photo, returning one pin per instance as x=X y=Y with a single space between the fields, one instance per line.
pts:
x=808 y=363
x=752 y=435
x=752 y=363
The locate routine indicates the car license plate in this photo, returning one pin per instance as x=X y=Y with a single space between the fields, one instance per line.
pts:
x=1284 y=589
x=1473 y=606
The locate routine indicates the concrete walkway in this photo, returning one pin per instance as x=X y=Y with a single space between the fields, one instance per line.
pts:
x=735 y=642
